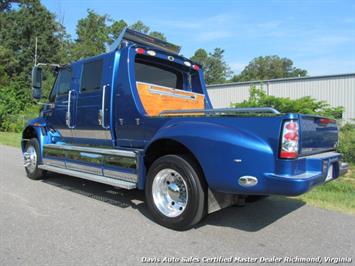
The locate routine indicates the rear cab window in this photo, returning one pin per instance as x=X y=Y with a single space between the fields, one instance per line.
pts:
x=163 y=85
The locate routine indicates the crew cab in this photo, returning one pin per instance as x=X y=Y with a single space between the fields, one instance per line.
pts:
x=139 y=117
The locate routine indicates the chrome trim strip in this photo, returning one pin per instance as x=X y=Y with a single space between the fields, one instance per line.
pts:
x=164 y=87
x=65 y=132
x=166 y=93
x=92 y=134
x=223 y=111
x=84 y=168
x=53 y=162
x=103 y=124
x=68 y=116
x=92 y=177
x=121 y=175
x=123 y=153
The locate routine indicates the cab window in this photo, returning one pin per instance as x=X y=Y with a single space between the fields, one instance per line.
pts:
x=91 y=78
x=62 y=84
x=159 y=74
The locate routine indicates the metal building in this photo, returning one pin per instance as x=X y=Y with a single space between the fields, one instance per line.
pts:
x=337 y=90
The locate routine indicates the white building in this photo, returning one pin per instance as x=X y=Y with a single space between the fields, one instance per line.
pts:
x=337 y=90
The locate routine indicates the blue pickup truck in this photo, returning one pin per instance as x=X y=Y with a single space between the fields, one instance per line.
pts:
x=139 y=117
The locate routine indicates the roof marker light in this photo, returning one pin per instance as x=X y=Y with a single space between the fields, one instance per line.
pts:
x=196 y=67
x=140 y=51
x=187 y=63
x=151 y=53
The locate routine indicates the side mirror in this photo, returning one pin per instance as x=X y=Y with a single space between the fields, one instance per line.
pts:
x=36 y=82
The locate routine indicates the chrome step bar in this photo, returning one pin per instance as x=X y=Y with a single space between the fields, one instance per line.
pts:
x=115 y=152
x=91 y=177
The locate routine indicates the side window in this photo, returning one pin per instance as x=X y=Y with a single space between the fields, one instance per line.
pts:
x=64 y=82
x=91 y=78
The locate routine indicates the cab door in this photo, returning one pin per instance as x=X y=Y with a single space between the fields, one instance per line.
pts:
x=92 y=125
x=60 y=111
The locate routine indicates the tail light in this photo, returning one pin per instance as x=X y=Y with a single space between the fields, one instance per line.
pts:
x=289 y=140
x=140 y=51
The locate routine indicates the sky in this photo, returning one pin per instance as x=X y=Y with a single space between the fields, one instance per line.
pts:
x=316 y=35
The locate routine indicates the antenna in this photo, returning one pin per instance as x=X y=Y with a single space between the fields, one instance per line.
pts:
x=36 y=51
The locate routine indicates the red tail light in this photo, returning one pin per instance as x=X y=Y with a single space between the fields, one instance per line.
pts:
x=289 y=140
x=140 y=51
x=326 y=121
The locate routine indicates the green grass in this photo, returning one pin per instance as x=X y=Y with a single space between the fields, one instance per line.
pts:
x=10 y=138
x=337 y=195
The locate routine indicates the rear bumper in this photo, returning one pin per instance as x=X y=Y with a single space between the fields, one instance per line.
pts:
x=317 y=169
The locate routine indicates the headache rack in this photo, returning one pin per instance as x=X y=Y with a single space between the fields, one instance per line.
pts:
x=220 y=111
x=143 y=39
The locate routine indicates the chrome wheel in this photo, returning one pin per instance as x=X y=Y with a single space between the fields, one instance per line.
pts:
x=30 y=157
x=170 y=193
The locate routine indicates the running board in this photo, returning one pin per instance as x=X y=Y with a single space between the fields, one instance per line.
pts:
x=91 y=177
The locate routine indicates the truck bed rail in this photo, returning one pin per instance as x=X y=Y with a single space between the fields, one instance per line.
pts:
x=221 y=111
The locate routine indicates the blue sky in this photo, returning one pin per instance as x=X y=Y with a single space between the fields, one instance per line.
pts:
x=317 y=35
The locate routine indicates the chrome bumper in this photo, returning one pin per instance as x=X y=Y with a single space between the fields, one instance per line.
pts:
x=343 y=168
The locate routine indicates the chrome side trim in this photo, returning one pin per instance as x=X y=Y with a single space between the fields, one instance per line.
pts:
x=164 y=87
x=65 y=132
x=53 y=162
x=103 y=123
x=68 y=115
x=92 y=134
x=84 y=168
x=88 y=176
x=121 y=175
x=222 y=111
x=123 y=153
x=172 y=94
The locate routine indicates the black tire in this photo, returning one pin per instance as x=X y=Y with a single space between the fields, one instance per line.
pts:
x=34 y=173
x=196 y=188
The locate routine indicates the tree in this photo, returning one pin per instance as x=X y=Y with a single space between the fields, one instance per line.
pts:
x=269 y=67
x=215 y=68
x=140 y=26
x=200 y=57
x=158 y=35
x=6 y=4
x=218 y=71
x=19 y=27
x=115 y=29
x=92 y=33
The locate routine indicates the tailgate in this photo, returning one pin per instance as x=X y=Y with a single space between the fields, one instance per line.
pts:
x=318 y=134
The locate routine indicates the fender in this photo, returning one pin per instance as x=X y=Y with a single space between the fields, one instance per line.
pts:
x=36 y=128
x=224 y=153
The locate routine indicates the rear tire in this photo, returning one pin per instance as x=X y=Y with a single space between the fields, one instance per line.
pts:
x=175 y=192
x=32 y=149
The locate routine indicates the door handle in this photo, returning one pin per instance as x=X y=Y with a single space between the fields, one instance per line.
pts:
x=68 y=113
x=101 y=117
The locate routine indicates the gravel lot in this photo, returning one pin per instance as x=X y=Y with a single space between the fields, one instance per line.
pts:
x=69 y=221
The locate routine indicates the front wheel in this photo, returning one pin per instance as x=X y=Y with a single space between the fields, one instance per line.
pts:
x=31 y=157
x=175 y=192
